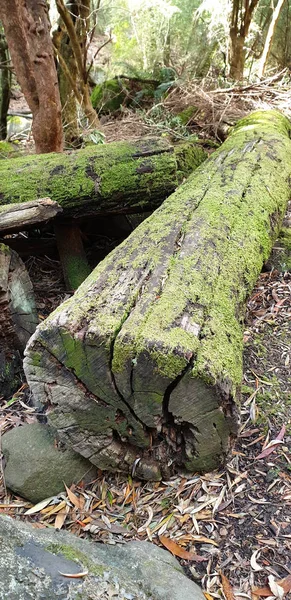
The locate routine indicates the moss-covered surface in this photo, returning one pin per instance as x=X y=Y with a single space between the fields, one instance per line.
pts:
x=109 y=96
x=159 y=321
x=7 y=150
x=72 y=553
x=120 y=177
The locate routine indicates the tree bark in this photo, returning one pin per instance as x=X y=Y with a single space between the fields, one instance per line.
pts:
x=78 y=31
x=5 y=84
x=18 y=317
x=269 y=38
x=241 y=18
x=26 y=29
x=67 y=95
x=141 y=369
x=121 y=177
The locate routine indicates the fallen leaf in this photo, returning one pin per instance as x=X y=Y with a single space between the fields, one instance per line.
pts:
x=227 y=587
x=265 y=592
x=77 y=502
x=74 y=575
x=39 y=506
x=51 y=510
x=273 y=444
x=178 y=551
x=148 y=521
x=255 y=566
x=275 y=588
x=60 y=518
x=202 y=539
x=285 y=584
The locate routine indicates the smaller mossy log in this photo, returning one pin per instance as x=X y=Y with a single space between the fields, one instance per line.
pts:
x=141 y=369
x=18 y=317
x=121 y=177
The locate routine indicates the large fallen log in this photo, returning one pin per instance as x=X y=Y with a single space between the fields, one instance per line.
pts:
x=141 y=369
x=120 y=177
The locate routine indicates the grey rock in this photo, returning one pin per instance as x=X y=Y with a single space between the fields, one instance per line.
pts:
x=35 y=467
x=18 y=127
x=31 y=561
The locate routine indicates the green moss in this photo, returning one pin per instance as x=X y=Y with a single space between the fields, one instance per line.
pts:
x=36 y=359
x=107 y=97
x=102 y=175
x=7 y=150
x=4 y=249
x=76 y=271
x=71 y=553
x=285 y=237
x=172 y=295
x=186 y=115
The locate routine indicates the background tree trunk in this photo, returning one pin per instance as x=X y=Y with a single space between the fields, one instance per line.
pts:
x=26 y=29
x=269 y=38
x=77 y=23
x=63 y=48
x=241 y=17
x=5 y=83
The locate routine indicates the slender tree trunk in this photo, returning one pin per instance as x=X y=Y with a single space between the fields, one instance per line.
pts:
x=241 y=17
x=26 y=27
x=63 y=48
x=269 y=38
x=78 y=30
x=5 y=83
x=237 y=57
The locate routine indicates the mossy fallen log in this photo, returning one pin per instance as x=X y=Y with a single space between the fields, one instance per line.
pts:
x=141 y=369
x=120 y=177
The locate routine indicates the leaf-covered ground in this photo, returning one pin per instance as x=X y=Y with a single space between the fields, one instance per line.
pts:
x=231 y=529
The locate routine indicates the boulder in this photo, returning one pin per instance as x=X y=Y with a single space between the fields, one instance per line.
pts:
x=32 y=562
x=36 y=467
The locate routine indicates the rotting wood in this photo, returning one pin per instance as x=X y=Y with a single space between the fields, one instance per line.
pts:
x=18 y=217
x=141 y=370
x=121 y=177
x=18 y=317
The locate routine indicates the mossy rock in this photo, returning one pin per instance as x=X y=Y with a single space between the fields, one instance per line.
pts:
x=108 y=96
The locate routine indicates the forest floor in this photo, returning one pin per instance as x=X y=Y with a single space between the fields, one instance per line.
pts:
x=231 y=528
